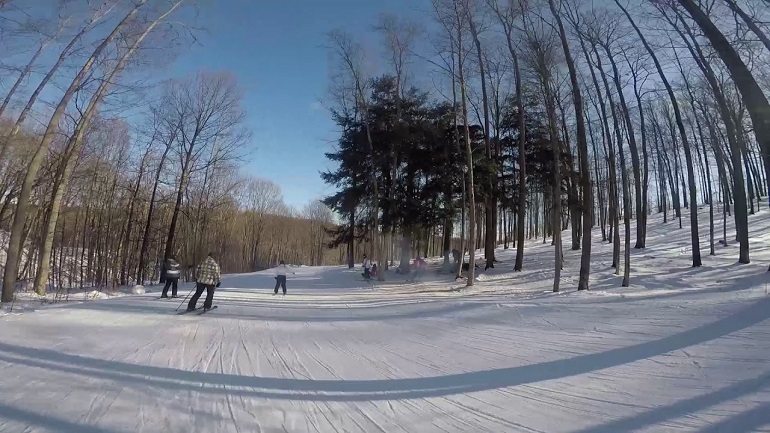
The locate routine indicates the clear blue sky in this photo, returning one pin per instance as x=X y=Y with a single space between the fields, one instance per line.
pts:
x=277 y=50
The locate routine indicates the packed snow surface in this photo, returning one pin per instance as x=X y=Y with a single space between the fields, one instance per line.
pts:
x=681 y=350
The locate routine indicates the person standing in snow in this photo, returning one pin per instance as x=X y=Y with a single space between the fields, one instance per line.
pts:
x=171 y=275
x=418 y=269
x=367 y=268
x=207 y=279
x=280 y=277
x=457 y=256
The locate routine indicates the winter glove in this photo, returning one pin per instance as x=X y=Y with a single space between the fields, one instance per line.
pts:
x=219 y=283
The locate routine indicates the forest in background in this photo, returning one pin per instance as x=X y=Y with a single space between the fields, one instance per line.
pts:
x=550 y=115
x=621 y=109
x=106 y=172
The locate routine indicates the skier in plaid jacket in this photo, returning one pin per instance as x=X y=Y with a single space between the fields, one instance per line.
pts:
x=208 y=278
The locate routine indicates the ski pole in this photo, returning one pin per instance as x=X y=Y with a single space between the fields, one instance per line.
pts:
x=185 y=299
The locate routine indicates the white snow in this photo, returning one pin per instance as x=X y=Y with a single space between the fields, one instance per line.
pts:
x=27 y=300
x=681 y=350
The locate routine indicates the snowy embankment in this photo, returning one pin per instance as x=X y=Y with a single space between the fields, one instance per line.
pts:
x=681 y=350
x=69 y=289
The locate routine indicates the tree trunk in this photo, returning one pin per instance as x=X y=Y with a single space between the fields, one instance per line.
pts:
x=49 y=225
x=470 y=188
x=696 y=258
x=446 y=243
x=710 y=197
x=150 y=212
x=612 y=176
x=626 y=214
x=521 y=214
x=456 y=138
x=741 y=219
x=598 y=187
x=167 y=251
x=555 y=219
x=641 y=237
x=585 y=178
x=130 y=218
x=613 y=169
x=503 y=229
x=491 y=197
x=673 y=183
x=573 y=196
x=635 y=164
x=753 y=96
x=518 y=266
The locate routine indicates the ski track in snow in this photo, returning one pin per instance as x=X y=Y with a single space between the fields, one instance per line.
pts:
x=681 y=350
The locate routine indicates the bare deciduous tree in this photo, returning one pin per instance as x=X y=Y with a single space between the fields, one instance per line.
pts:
x=62 y=182
x=587 y=200
x=696 y=257
x=22 y=206
x=208 y=111
x=97 y=16
x=508 y=15
x=320 y=218
x=542 y=56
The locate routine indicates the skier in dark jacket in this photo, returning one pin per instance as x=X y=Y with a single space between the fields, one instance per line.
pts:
x=171 y=273
x=457 y=256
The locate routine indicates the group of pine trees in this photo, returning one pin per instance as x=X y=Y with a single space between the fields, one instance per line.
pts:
x=553 y=115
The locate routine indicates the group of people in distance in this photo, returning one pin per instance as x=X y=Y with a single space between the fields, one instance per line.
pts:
x=416 y=270
x=208 y=277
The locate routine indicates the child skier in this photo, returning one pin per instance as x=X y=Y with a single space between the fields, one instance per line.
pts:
x=280 y=277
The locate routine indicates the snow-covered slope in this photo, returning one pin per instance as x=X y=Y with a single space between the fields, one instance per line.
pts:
x=682 y=350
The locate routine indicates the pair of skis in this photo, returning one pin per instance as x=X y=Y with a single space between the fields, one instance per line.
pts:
x=199 y=310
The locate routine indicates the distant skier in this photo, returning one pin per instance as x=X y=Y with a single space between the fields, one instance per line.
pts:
x=367 y=268
x=457 y=256
x=280 y=277
x=418 y=269
x=171 y=274
x=208 y=278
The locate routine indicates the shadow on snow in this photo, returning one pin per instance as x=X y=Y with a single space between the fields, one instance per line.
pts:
x=392 y=389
